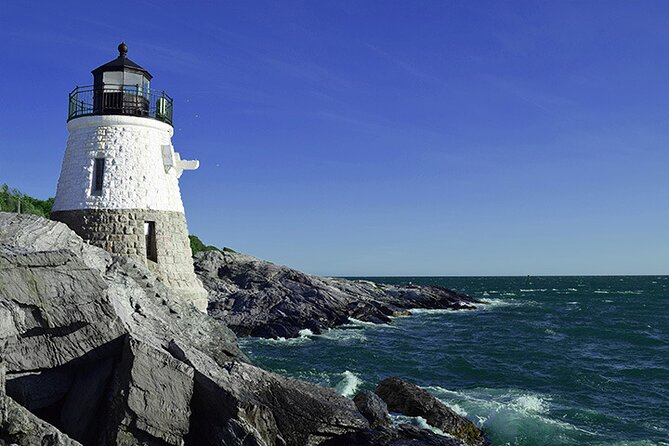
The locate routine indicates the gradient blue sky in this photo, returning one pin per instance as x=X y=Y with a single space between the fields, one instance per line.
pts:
x=380 y=137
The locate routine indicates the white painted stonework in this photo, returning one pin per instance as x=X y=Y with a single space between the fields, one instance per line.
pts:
x=141 y=169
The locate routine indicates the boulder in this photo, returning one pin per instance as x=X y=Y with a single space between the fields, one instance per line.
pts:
x=258 y=298
x=373 y=408
x=409 y=399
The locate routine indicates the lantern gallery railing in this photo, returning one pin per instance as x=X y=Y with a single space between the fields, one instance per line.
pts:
x=133 y=100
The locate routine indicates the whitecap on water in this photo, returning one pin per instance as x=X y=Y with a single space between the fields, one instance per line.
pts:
x=485 y=305
x=494 y=303
x=344 y=335
x=348 y=385
x=352 y=322
x=618 y=292
x=433 y=310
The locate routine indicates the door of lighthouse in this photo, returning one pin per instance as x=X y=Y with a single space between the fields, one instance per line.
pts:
x=150 y=238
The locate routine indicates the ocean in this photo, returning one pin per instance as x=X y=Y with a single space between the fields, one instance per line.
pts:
x=548 y=361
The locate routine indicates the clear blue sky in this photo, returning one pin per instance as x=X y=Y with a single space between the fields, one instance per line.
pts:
x=380 y=137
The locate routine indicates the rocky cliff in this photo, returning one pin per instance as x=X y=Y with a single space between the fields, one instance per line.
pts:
x=258 y=298
x=96 y=350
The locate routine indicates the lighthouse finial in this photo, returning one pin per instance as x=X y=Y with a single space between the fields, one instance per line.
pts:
x=122 y=49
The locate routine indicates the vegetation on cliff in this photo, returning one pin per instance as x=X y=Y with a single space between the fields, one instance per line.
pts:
x=10 y=199
x=197 y=245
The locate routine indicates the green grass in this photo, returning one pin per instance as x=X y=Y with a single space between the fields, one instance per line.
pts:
x=9 y=202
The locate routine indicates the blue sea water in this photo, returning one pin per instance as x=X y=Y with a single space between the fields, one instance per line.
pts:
x=549 y=361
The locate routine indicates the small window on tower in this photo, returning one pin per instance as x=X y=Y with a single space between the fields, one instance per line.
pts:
x=98 y=175
x=150 y=237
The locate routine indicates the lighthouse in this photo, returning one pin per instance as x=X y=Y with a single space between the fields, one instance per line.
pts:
x=119 y=182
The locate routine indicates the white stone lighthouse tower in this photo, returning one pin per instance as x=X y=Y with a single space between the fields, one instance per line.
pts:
x=119 y=183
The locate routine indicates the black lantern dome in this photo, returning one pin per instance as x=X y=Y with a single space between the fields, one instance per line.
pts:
x=120 y=87
x=121 y=71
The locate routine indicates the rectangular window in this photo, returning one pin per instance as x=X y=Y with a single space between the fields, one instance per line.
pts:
x=98 y=175
x=150 y=237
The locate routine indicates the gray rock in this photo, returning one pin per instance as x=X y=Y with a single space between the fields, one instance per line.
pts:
x=411 y=400
x=102 y=352
x=373 y=408
x=258 y=298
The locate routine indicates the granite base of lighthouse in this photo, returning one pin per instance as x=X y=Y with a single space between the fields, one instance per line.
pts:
x=121 y=232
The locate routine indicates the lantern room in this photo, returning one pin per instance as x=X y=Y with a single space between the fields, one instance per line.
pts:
x=120 y=87
x=121 y=72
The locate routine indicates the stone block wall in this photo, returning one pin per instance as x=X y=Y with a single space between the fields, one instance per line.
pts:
x=121 y=232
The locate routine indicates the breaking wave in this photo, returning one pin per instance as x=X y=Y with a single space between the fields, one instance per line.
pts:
x=511 y=416
x=348 y=386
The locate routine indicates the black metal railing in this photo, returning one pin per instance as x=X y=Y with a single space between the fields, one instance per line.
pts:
x=133 y=100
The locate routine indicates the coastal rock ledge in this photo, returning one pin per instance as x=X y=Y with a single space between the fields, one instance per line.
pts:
x=258 y=298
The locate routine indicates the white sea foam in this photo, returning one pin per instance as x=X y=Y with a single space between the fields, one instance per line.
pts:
x=359 y=323
x=486 y=304
x=494 y=303
x=433 y=310
x=506 y=412
x=419 y=422
x=348 y=384
x=530 y=404
x=305 y=333
x=344 y=335
x=303 y=336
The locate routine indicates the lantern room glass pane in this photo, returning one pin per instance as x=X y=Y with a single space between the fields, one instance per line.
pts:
x=112 y=79
x=133 y=79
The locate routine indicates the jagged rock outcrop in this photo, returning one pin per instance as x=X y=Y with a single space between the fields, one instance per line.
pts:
x=98 y=351
x=258 y=298
x=409 y=399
